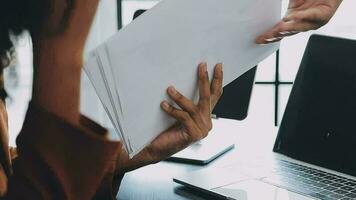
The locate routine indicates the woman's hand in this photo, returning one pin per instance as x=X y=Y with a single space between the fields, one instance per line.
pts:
x=193 y=121
x=302 y=15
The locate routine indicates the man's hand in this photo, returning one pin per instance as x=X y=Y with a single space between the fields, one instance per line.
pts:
x=193 y=122
x=302 y=15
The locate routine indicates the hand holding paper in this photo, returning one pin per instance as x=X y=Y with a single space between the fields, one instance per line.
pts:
x=162 y=47
x=301 y=16
x=193 y=121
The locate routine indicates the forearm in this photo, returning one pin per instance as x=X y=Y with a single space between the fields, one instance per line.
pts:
x=56 y=85
x=58 y=54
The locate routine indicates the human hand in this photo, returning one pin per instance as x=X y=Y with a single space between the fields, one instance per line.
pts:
x=193 y=121
x=302 y=15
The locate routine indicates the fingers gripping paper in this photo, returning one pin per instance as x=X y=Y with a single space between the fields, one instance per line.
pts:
x=163 y=47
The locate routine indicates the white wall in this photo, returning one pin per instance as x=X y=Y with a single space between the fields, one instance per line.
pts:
x=104 y=26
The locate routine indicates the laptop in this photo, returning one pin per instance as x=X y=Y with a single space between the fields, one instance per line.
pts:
x=314 y=156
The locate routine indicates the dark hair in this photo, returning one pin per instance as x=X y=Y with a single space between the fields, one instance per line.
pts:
x=15 y=17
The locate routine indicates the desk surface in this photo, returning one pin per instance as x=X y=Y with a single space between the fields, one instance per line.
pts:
x=155 y=182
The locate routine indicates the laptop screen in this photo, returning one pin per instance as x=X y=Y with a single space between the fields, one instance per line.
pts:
x=319 y=123
x=235 y=101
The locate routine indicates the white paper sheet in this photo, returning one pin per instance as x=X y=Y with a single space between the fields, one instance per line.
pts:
x=93 y=72
x=164 y=46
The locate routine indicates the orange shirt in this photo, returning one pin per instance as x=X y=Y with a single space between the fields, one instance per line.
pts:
x=58 y=160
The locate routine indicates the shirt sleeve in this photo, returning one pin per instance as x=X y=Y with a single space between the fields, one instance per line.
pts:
x=58 y=160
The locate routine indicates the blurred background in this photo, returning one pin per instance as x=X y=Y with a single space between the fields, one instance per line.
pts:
x=269 y=97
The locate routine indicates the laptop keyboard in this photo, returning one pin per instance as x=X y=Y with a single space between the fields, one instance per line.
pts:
x=311 y=182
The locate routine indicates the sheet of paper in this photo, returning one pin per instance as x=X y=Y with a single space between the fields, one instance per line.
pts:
x=109 y=81
x=94 y=74
x=164 y=46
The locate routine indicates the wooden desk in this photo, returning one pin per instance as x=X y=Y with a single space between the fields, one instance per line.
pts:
x=155 y=182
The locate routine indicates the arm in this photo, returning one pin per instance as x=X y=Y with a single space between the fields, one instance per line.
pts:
x=58 y=52
x=302 y=15
x=61 y=154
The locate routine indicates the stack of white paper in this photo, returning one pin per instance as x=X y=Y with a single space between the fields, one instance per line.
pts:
x=163 y=47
